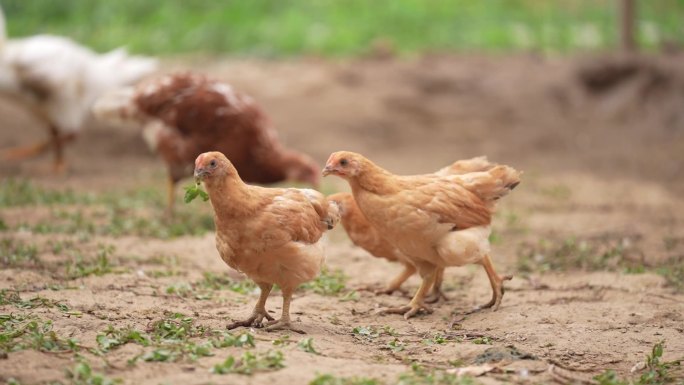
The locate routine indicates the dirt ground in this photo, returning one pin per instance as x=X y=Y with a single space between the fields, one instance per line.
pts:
x=601 y=144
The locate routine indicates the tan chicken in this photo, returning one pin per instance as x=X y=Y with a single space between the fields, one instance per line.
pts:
x=272 y=235
x=183 y=115
x=364 y=235
x=435 y=220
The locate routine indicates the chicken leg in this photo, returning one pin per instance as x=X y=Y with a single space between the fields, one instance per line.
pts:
x=259 y=312
x=436 y=294
x=25 y=152
x=170 y=195
x=429 y=274
x=284 y=322
x=497 y=284
x=56 y=141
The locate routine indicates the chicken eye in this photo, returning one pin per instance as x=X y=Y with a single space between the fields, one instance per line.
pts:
x=344 y=162
x=212 y=163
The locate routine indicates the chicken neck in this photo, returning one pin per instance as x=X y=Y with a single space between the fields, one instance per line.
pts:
x=230 y=198
x=374 y=179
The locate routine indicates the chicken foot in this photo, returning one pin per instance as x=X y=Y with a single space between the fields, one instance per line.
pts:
x=170 y=195
x=418 y=301
x=25 y=152
x=284 y=322
x=497 y=282
x=56 y=141
x=259 y=312
x=436 y=293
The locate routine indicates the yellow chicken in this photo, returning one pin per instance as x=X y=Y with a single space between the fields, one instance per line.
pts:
x=272 y=235
x=364 y=235
x=435 y=220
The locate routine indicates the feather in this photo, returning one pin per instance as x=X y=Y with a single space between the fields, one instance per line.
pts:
x=62 y=78
x=201 y=114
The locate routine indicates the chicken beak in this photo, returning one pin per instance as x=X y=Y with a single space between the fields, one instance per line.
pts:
x=200 y=173
x=328 y=170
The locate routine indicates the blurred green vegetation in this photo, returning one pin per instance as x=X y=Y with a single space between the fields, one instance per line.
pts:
x=341 y=27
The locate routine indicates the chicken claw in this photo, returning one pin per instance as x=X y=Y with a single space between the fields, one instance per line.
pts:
x=408 y=311
x=436 y=295
x=496 y=282
x=259 y=312
x=282 y=325
x=254 y=320
x=497 y=294
x=390 y=291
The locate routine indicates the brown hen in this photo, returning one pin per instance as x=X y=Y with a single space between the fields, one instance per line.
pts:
x=184 y=114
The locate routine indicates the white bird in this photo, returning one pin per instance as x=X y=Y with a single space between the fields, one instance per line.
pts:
x=58 y=80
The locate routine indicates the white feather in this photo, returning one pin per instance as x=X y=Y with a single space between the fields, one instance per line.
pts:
x=71 y=76
x=458 y=248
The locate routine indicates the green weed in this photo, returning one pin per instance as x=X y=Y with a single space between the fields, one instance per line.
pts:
x=181 y=289
x=420 y=375
x=19 y=332
x=366 y=332
x=396 y=345
x=113 y=338
x=118 y=213
x=352 y=296
x=437 y=339
x=223 y=282
x=8 y=297
x=175 y=327
x=79 y=267
x=571 y=253
x=175 y=351
x=656 y=372
x=282 y=341
x=673 y=272
x=482 y=341
x=83 y=374
x=193 y=191
x=251 y=363
x=306 y=344
x=15 y=192
x=225 y=339
x=172 y=337
x=17 y=253
x=328 y=282
x=329 y=379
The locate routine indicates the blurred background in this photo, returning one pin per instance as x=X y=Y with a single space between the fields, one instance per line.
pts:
x=267 y=28
x=585 y=96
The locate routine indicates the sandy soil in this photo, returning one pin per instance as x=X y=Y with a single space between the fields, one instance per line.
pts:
x=603 y=156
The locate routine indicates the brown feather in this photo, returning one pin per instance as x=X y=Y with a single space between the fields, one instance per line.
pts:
x=361 y=232
x=206 y=115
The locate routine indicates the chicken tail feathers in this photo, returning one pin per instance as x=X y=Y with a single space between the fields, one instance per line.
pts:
x=328 y=211
x=493 y=184
x=332 y=215
x=479 y=163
